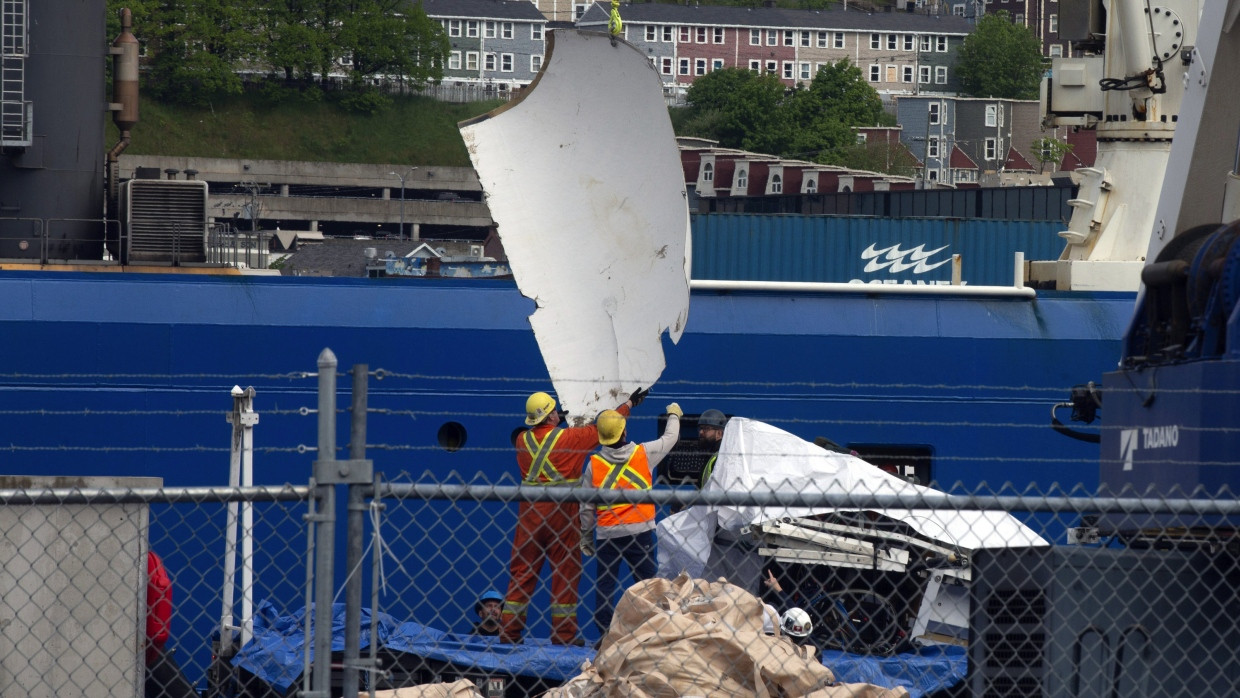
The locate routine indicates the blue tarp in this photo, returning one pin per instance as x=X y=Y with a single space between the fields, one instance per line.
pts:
x=275 y=654
x=923 y=672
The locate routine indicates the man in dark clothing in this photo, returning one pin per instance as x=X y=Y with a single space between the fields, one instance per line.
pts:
x=164 y=678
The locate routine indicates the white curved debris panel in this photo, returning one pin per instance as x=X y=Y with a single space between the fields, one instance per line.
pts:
x=583 y=177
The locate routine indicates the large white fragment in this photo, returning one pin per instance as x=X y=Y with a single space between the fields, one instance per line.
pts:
x=583 y=177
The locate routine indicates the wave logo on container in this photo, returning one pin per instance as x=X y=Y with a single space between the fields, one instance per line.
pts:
x=897 y=260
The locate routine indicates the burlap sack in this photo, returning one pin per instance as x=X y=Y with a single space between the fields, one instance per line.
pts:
x=689 y=637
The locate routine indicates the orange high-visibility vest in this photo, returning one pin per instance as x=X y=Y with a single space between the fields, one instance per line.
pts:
x=633 y=474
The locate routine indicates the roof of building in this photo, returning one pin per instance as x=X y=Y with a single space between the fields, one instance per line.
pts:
x=1016 y=161
x=483 y=9
x=713 y=15
x=960 y=160
x=342 y=256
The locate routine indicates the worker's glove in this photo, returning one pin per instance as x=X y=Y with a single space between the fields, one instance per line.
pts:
x=638 y=396
x=587 y=544
x=675 y=409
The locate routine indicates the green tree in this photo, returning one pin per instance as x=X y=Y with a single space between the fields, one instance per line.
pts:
x=1049 y=150
x=823 y=114
x=1000 y=59
x=195 y=47
x=736 y=107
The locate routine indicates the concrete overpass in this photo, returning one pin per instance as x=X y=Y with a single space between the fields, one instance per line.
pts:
x=316 y=195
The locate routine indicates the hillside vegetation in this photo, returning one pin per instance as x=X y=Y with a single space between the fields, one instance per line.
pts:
x=411 y=130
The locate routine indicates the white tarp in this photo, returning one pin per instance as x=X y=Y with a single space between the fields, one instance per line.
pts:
x=583 y=177
x=758 y=456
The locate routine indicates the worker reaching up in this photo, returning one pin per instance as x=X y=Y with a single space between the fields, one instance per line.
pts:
x=549 y=455
x=625 y=531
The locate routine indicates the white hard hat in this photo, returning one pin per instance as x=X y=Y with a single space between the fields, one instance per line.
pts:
x=796 y=623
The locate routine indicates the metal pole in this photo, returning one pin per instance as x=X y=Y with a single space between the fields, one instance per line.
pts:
x=324 y=528
x=401 y=235
x=354 y=543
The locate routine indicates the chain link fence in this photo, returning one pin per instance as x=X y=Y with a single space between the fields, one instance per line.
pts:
x=798 y=568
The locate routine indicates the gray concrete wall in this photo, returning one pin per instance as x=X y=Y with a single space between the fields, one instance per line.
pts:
x=72 y=593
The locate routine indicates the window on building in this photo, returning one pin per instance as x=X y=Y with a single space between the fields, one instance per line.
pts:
x=708 y=172
x=471 y=61
x=958 y=10
x=992 y=148
x=536 y=32
x=862 y=138
x=684 y=66
x=1056 y=51
x=742 y=178
x=755 y=37
x=788 y=70
x=578 y=11
x=718 y=35
x=488 y=29
x=910 y=42
x=925 y=44
x=908 y=73
x=505 y=62
x=875 y=72
x=932 y=147
x=699 y=66
x=652 y=33
x=1019 y=18
x=471 y=29
x=933 y=114
x=755 y=66
x=772 y=67
x=488 y=61
x=1052 y=24
x=940 y=75
x=893 y=42
x=876 y=42
x=667 y=35
x=454 y=60
x=992 y=115
x=811 y=186
x=506 y=30
x=700 y=35
x=716 y=64
x=772 y=37
x=839 y=40
x=789 y=38
x=535 y=63
x=805 y=39
x=777 y=184
x=940 y=44
x=805 y=74
x=684 y=35
x=923 y=74
x=893 y=74
x=822 y=40
x=666 y=68
x=454 y=27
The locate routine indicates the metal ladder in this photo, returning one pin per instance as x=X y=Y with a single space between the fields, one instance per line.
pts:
x=15 y=111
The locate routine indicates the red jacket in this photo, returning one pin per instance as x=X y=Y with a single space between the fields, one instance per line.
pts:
x=158 y=604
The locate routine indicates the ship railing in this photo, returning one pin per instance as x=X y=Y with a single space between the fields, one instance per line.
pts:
x=57 y=240
x=228 y=246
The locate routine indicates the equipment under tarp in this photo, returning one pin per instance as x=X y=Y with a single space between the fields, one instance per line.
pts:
x=758 y=456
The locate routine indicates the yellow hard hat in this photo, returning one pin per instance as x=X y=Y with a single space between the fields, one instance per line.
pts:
x=610 y=427
x=537 y=407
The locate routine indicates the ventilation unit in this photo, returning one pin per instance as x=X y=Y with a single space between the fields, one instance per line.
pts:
x=164 y=221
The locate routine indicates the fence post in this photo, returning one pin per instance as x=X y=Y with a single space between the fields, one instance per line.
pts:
x=353 y=544
x=324 y=538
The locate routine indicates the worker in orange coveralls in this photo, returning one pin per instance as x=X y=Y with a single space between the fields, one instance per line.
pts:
x=548 y=455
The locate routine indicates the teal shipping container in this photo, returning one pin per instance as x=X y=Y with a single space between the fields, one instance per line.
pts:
x=914 y=251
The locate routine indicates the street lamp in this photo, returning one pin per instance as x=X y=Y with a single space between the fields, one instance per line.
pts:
x=401 y=177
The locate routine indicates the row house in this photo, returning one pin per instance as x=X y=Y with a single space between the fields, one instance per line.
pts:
x=897 y=52
x=712 y=172
x=499 y=42
x=962 y=140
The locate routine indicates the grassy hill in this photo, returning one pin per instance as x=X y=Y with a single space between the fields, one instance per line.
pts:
x=413 y=129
